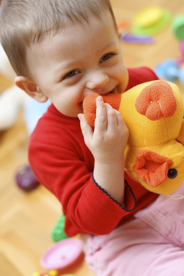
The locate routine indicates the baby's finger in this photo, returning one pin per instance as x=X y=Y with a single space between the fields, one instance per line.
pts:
x=115 y=120
x=111 y=116
x=85 y=128
x=121 y=124
x=119 y=119
x=101 y=115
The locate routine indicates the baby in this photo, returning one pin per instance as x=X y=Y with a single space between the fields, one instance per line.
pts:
x=63 y=50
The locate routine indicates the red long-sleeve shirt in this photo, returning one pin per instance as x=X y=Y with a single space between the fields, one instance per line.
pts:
x=64 y=165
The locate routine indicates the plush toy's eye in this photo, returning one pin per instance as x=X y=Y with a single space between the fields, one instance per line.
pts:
x=172 y=173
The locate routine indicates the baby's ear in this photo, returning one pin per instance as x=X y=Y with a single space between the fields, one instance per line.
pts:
x=30 y=88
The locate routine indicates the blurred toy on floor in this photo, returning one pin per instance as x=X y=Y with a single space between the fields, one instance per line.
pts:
x=173 y=69
x=150 y=20
x=11 y=101
x=58 y=232
x=25 y=179
x=62 y=254
x=178 y=27
x=170 y=70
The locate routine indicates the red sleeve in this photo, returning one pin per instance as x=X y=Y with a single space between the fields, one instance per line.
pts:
x=140 y=75
x=64 y=165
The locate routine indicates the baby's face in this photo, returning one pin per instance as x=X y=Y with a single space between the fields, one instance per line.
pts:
x=79 y=60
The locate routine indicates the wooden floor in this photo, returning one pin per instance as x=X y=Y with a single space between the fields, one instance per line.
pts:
x=26 y=219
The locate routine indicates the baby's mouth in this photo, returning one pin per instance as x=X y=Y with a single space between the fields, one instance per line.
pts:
x=113 y=91
x=110 y=92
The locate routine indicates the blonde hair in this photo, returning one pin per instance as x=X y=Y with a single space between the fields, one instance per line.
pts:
x=27 y=21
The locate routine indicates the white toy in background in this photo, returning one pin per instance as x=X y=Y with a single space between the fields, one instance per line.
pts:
x=13 y=99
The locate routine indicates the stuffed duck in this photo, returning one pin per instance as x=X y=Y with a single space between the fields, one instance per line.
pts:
x=153 y=112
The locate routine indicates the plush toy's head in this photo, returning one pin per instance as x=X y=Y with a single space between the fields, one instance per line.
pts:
x=153 y=112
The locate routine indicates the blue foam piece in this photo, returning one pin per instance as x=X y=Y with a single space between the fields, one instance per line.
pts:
x=33 y=111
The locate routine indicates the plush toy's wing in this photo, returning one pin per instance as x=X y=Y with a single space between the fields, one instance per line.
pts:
x=156 y=101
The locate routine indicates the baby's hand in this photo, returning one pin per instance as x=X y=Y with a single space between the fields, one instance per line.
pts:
x=107 y=143
x=108 y=140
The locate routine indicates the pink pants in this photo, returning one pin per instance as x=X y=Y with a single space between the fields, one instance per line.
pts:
x=150 y=244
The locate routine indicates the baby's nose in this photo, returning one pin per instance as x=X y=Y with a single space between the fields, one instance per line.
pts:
x=97 y=80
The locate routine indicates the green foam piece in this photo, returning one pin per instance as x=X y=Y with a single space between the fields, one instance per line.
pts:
x=178 y=27
x=58 y=232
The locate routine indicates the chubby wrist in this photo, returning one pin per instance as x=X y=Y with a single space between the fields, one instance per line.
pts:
x=108 y=165
x=110 y=160
x=110 y=177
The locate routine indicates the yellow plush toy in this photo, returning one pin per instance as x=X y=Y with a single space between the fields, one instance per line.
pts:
x=153 y=112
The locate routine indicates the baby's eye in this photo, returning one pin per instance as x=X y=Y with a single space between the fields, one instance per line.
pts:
x=105 y=57
x=71 y=74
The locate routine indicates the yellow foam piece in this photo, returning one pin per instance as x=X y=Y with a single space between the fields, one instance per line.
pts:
x=148 y=16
